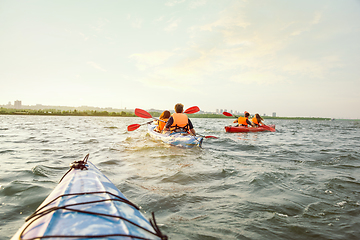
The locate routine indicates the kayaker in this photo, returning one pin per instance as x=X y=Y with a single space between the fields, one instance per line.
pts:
x=257 y=120
x=244 y=121
x=179 y=121
x=165 y=115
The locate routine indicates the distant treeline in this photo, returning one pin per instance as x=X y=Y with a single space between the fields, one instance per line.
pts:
x=55 y=112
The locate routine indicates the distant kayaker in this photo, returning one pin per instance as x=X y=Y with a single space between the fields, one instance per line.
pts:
x=244 y=121
x=257 y=120
x=179 y=121
x=165 y=115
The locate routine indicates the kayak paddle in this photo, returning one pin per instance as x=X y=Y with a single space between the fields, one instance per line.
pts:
x=269 y=128
x=144 y=114
x=207 y=136
x=229 y=114
x=135 y=126
x=192 y=110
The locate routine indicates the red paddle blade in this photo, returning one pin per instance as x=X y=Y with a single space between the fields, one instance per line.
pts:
x=191 y=110
x=227 y=114
x=133 y=127
x=142 y=113
x=269 y=128
x=211 y=137
x=206 y=136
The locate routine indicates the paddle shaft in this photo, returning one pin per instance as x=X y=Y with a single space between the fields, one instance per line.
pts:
x=207 y=136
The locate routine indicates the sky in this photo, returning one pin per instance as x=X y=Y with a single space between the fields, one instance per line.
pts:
x=295 y=58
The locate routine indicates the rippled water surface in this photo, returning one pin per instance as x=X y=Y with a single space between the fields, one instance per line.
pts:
x=300 y=182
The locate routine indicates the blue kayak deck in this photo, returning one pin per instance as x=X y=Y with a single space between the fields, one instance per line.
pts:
x=183 y=140
x=87 y=203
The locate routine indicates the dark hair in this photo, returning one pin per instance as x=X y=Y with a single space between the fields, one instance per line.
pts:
x=258 y=117
x=247 y=114
x=179 y=108
x=165 y=115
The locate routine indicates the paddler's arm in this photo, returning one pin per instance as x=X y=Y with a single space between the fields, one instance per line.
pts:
x=191 y=127
x=168 y=124
x=250 y=122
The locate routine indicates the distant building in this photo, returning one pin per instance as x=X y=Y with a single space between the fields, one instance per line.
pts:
x=17 y=104
x=274 y=114
x=217 y=111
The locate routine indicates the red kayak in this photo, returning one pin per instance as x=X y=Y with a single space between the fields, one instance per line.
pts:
x=264 y=128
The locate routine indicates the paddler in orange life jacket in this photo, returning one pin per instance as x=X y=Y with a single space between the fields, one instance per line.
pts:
x=179 y=122
x=244 y=121
x=257 y=120
x=165 y=115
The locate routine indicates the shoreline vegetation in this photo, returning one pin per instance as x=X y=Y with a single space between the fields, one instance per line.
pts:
x=56 y=112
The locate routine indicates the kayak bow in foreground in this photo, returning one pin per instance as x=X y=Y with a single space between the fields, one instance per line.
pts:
x=87 y=205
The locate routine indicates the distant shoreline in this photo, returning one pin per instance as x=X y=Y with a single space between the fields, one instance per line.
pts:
x=55 y=112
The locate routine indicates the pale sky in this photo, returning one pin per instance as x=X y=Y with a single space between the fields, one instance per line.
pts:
x=295 y=58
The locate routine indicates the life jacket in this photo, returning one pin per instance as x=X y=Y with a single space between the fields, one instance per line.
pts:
x=254 y=120
x=161 y=124
x=180 y=122
x=242 y=121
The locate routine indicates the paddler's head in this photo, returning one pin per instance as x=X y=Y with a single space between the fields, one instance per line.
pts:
x=179 y=108
x=165 y=115
x=246 y=114
x=258 y=117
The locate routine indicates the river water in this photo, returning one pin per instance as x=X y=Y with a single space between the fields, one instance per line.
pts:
x=300 y=182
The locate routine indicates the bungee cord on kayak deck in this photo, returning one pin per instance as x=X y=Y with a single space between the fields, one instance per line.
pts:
x=41 y=214
x=120 y=199
x=82 y=166
x=87 y=237
x=77 y=165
